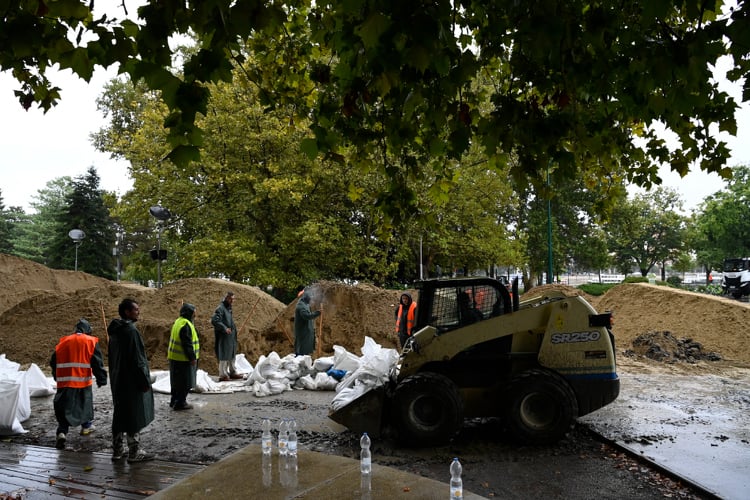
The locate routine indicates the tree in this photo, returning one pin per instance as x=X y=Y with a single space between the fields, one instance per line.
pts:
x=721 y=226
x=646 y=230
x=574 y=82
x=85 y=210
x=6 y=228
x=575 y=213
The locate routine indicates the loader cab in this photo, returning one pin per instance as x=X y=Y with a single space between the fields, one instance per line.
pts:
x=454 y=303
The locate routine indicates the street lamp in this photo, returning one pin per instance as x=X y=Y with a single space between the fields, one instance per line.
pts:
x=117 y=250
x=76 y=235
x=161 y=214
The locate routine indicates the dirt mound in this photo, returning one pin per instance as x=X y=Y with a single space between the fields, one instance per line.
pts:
x=38 y=305
x=719 y=324
x=566 y=290
x=350 y=313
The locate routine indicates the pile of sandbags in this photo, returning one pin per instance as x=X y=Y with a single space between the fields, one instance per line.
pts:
x=16 y=388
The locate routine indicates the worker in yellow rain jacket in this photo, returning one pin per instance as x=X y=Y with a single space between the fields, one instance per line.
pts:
x=183 y=354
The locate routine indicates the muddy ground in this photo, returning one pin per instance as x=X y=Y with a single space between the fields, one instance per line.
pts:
x=660 y=332
x=580 y=466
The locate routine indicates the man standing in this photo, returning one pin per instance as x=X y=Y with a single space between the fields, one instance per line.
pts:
x=132 y=396
x=225 y=336
x=405 y=317
x=76 y=358
x=183 y=354
x=304 y=326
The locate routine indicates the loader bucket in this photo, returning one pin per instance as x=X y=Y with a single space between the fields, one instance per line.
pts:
x=364 y=414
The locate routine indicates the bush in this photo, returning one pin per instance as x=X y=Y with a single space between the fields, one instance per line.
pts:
x=674 y=281
x=596 y=289
x=636 y=279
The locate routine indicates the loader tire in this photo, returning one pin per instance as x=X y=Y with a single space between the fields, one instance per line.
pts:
x=428 y=409
x=542 y=407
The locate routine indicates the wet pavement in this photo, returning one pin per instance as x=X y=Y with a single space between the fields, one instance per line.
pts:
x=579 y=466
x=696 y=426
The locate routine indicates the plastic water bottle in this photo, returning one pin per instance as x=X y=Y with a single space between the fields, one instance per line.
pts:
x=292 y=438
x=365 y=456
x=283 y=436
x=265 y=438
x=457 y=485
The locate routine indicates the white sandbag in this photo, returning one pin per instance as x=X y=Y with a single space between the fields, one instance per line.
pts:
x=37 y=383
x=160 y=381
x=375 y=367
x=296 y=366
x=305 y=382
x=324 y=382
x=242 y=365
x=347 y=395
x=23 y=412
x=270 y=387
x=323 y=364
x=266 y=367
x=7 y=365
x=9 y=395
x=344 y=360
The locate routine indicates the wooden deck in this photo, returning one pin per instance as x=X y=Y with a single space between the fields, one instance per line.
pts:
x=32 y=472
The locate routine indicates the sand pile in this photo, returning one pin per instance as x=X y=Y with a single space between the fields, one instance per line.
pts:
x=39 y=305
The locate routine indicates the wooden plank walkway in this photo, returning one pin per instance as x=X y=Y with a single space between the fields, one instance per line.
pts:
x=33 y=472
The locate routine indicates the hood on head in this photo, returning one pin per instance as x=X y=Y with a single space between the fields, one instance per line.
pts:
x=187 y=310
x=83 y=326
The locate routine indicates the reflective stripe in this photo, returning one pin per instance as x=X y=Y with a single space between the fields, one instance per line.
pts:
x=73 y=365
x=68 y=379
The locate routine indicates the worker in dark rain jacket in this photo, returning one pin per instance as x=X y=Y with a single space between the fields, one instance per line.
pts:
x=225 y=339
x=130 y=378
x=304 y=326
x=76 y=362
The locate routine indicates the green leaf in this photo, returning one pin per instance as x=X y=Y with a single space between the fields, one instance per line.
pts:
x=309 y=147
x=183 y=155
x=371 y=30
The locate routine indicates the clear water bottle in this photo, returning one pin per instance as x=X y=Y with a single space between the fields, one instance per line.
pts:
x=457 y=485
x=292 y=438
x=266 y=439
x=283 y=437
x=365 y=456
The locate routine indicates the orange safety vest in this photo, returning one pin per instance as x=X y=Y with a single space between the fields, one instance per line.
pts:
x=409 y=317
x=73 y=360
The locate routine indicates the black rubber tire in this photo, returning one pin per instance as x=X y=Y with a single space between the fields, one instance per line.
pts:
x=541 y=407
x=428 y=409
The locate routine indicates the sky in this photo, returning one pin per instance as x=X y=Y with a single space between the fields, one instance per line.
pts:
x=36 y=148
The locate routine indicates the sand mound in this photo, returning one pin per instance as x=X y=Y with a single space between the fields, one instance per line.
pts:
x=719 y=324
x=38 y=305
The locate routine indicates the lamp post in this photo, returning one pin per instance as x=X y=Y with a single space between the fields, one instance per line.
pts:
x=76 y=235
x=161 y=214
x=117 y=251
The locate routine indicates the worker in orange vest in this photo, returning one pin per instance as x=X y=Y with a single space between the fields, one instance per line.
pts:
x=76 y=362
x=405 y=317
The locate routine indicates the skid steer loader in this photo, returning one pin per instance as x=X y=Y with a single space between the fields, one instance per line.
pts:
x=479 y=351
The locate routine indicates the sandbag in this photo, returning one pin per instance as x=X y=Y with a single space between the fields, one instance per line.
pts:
x=9 y=396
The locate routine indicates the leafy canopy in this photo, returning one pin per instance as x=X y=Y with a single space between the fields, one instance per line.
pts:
x=573 y=81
